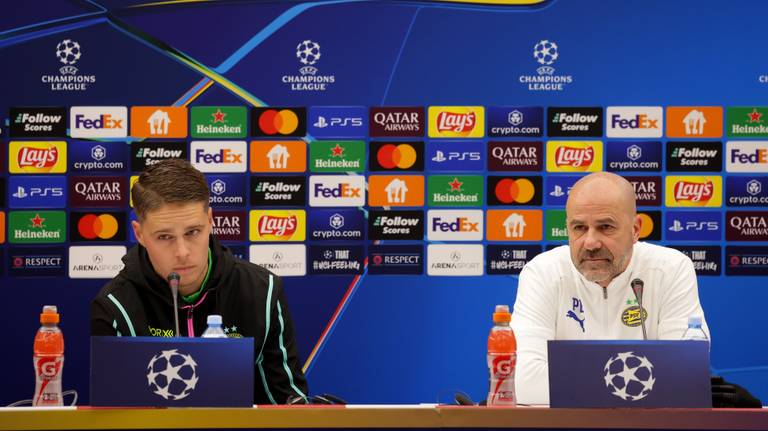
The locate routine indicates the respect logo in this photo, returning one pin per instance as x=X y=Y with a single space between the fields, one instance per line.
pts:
x=456 y=121
x=574 y=156
x=35 y=157
x=694 y=191
x=278 y=225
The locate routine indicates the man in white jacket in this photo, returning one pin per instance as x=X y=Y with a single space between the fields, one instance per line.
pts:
x=582 y=291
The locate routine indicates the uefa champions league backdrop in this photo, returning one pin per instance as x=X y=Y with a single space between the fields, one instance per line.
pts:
x=396 y=162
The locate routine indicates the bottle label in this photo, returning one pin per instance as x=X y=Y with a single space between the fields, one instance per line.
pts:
x=502 y=365
x=48 y=367
x=502 y=370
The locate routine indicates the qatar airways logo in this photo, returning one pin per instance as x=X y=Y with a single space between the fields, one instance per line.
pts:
x=574 y=157
x=694 y=192
x=455 y=122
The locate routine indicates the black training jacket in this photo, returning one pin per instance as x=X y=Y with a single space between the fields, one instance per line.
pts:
x=250 y=299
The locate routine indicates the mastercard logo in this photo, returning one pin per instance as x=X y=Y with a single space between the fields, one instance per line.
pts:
x=650 y=222
x=92 y=226
x=646 y=226
x=279 y=122
x=391 y=156
x=519 y=191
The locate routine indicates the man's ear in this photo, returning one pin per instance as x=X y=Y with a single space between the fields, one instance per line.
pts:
x=636 y=226
x=137 y=231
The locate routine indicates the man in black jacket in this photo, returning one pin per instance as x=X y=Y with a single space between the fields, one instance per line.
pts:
x=174 y=234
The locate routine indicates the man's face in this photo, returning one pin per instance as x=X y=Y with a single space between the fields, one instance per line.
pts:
x=601 y=232
x=176 y=239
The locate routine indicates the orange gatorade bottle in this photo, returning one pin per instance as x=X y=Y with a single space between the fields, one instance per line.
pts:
x=48 y=359
x=502 y=358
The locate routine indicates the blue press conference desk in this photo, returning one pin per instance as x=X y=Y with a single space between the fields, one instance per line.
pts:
x=398 y=416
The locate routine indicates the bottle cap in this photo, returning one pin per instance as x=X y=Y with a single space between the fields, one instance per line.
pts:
x=214 y=319
x=49 y=315
x=502 y=314
x=694 y=321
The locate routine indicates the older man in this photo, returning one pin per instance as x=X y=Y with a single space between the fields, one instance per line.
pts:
x=582 y=291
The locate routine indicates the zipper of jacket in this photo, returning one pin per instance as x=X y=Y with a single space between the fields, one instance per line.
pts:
x=190 y=326
x=605 y=292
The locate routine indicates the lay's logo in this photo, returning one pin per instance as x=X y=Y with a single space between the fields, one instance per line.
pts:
x=456 y=121
x=567 y=156
x=37 y=157
x=690 y=191
x=278 y=225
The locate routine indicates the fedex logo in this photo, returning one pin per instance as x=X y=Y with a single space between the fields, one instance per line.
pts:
x=336 y=190
x=455 y=225
x=219 y=156
x=747 y=156
x=634 y=121
x=98 y=121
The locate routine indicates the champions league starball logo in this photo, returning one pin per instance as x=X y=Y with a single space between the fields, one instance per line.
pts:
x=546 y=53
x=172 y=375
x=309 y=79
x=308 y=53
x=629 y=376
x=68 y=52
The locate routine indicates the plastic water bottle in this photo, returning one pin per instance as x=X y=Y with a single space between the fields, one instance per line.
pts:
x=502 y=358
x=694 y=331
x=48 y=359
x=214 y=329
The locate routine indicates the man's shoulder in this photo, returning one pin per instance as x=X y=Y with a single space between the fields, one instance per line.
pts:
x=119 y=287
x=656 y=256
x=250 y=276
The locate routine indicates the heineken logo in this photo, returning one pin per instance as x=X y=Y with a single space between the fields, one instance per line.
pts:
x=337 y=156
x=32 y=227
x=218 y=121
x=455 y=190
x=747 y=122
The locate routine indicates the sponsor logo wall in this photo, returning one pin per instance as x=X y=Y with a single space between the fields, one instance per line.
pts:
x=437 y=190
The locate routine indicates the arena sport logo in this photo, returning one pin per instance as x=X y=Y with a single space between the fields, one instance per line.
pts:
x=97 y=226
x=513 y=191
x=36 y=227
x=336 y=225
x=574 y=122
x=285 y=260
x=694 y=191
x=395 y=225
x=219 y=121
x=278 y=191
x=37 y=192
x=744 y=191
x=229 y=225
x=634 y=121
x=456 y=121
x=68 y=52
x=146 y=154
x=37 y=157
x=545 y=54
x=338 y=121
x=278 y=122
x=746 y=156
x=396 y=122
x=514 y=225
x=37 y=261
x=647 y=190
x=396 y=190
x=219 y=156
x=98 y=122
x=338 y=260
x=455 y=259
x=455 y=190
x=746 y=260
x=694 y=122
x=746 y=226
x=706 y=259
x=695 y=156
x=515 y=156
x=455 y=225
x=403 y=259
x=278 y=156
x=396 y=156
x=337 y=156
x=336 y=190
x=515 y=121
x=743 y=122
x=574 y=156
x=454 y=156
x=159 y=122
x=308 y=55
x=558 y=188
x=36 y=122
x=227 y=190
x=103 y=261
x=693 y=226
x=277 y=225
x=98 y=191
x=622 y=156
x=87 y=156
x=508 y=259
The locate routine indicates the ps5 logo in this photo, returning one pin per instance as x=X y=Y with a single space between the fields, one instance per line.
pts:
x=456 y=155
x=21 y=192
x=338 y=122
x=558 y=191
x=678 y=226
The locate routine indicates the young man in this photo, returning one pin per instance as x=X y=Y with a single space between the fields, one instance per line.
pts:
x=174 y=234
x=582 y=291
